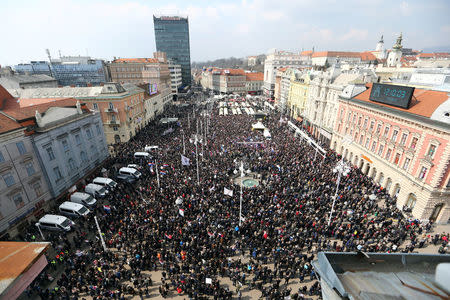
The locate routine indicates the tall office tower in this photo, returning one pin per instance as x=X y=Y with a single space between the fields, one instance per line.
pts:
x=172 y=37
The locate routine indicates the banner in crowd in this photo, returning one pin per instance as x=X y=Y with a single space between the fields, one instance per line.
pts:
x=228 y=192
x=184 y=161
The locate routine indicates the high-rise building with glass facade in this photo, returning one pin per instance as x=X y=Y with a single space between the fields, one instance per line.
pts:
x=172 y=37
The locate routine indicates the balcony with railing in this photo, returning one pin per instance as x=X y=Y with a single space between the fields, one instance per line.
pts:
x=111 y=110
x=113 y=122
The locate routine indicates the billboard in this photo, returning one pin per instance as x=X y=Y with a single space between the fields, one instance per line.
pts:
x=152 y=88
x=395 y=95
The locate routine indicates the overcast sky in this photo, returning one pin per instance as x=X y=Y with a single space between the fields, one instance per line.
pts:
x=218 y=29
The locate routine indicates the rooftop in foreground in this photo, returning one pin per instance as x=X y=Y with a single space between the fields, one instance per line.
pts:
x=382 y=275
x=16 y=259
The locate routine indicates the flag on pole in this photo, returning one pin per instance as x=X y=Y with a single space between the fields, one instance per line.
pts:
x=366 y=158
x=184 y=161
x=181 y=212
x=227 y=192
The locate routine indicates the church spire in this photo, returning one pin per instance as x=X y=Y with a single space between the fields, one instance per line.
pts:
x=381 y=40
x=398 y=44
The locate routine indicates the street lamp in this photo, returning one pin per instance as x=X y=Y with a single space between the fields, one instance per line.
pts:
x=196 y=140
x=184 y=147
x=242 y=170
x=342 y=169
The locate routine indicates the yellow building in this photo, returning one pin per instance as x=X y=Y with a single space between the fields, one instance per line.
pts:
x=298 y=95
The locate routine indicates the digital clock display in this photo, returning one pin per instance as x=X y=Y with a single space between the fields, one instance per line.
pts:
x=395 y=95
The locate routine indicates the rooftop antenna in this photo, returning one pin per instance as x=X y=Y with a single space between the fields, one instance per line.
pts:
x=50 y=62
x=48 y=54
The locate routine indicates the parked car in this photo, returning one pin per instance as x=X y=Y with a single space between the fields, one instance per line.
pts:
x=130 y=172
x=84 y=199
x=96 y=190
x=105 y=182
x=126 y=178
x=72 y=209
x=55 y=223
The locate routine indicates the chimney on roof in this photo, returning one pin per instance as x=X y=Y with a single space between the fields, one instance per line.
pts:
x=78 y=105
x=38 y=117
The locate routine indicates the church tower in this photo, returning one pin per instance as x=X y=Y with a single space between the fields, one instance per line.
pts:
x=380 y=45
x=396 y=53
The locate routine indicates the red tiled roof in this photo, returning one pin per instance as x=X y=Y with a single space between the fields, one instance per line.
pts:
x=434 y=55
x=6 y=124
x=233 y=72
x=257 y=76
x=4 y=95
x=21 y=112
x=306 y=53
x=363 y=55
x=336 y=53
x=424 y=103
x=367 y=56
x=135 y=60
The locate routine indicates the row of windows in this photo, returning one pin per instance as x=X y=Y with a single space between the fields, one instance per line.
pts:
x=20 y=147
x=132 y=75
x=395 y=133
x=9 y=180
x=65 y=145
x=388 y=156
x=73 y=165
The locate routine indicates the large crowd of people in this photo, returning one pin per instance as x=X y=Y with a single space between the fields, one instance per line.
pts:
x=190 y=232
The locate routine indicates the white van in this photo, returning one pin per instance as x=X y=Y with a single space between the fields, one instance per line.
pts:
x=95 y=190
x=130 y=172
x=83 y=199
x=55 y=223
x=105 y=182
x=134 y=166
x=150 y=148
x=142 y=155
x=71 y=209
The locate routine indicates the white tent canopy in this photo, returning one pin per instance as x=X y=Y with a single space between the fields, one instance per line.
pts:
x=168 y=120
x=258 y=126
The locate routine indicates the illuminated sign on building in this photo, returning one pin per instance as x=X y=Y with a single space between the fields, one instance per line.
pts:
x=395 y=95
x=152 y=88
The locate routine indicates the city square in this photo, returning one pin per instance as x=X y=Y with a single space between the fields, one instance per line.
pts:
x=242 y=149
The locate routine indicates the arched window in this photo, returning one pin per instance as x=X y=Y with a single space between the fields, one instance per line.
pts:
x=396 y=190
x=388 y=184
x=411 y=202
x=381 y=179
